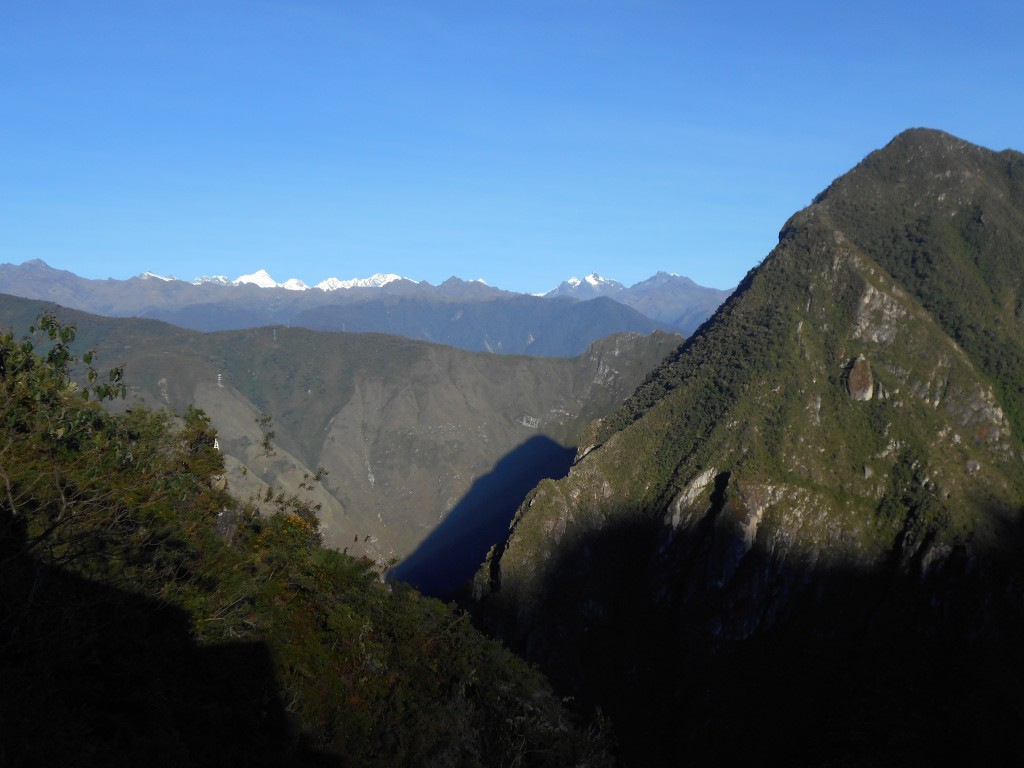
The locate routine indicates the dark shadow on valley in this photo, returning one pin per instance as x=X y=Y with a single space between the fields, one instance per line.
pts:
x=825 y=664
x=453 y=552
x=91 y=675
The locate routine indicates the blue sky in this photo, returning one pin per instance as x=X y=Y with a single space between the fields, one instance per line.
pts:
x=519 y=142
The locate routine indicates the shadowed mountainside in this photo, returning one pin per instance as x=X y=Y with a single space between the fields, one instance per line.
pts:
x=827 y=664
x=451 y=554
x=800 y=535
x=94 y=675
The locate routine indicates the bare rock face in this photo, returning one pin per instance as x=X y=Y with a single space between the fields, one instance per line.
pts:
x=860 y=383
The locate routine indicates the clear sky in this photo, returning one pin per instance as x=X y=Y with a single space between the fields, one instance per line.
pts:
x=519 y=142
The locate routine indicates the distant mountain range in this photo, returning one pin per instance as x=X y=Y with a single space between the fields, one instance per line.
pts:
x=466 y=314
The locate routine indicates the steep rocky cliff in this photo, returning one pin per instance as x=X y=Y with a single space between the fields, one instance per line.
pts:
x=801 y=536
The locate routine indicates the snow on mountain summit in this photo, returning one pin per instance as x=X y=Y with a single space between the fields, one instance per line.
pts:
x=590 y=286
x=375 y=281
x=260 y=278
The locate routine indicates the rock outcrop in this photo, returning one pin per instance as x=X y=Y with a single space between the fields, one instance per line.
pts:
x=859 y=381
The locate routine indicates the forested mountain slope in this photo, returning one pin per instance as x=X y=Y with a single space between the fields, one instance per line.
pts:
x=801 y=536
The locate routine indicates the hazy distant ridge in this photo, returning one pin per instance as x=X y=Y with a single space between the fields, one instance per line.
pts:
x=466 y=314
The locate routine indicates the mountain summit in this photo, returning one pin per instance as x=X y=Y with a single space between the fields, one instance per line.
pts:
x=671 y=299
x=590 y=286
x=802 y=535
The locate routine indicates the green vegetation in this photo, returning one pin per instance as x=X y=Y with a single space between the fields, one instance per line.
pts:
x=147 y=617
x=950 y=234
x=779 y=533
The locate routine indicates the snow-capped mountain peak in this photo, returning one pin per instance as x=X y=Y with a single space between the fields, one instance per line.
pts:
x=588 y=287
x=263 y=279
x=375 y=281
x=260 y=278
x=155 y=276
